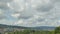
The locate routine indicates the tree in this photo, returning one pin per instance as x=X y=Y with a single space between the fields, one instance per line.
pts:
x=57 y=30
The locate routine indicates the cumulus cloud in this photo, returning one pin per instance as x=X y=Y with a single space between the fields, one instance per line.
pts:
x=30 y=13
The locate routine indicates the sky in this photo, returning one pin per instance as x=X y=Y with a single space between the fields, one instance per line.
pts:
x=30 y=13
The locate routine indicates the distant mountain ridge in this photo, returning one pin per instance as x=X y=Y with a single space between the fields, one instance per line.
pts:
x=33 y=28
x=9 y=26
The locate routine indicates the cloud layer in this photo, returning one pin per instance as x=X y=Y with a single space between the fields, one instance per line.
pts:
x=30 y=13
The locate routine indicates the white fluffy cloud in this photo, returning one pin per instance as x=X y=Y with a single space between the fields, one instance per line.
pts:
x=30 y=12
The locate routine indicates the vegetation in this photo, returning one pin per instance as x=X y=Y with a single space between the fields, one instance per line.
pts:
x=56 y=31
x=31 y=32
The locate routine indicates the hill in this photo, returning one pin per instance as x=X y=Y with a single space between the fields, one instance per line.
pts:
x=32 y=28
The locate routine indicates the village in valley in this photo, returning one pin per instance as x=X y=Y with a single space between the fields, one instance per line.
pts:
x=8 y=29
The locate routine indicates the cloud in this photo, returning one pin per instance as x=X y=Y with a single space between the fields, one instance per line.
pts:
x=3 y=6
x=35 y=13
x=7 y=22
x=2 y=15
x=15 y=15
x=45 y=8
x=19 y=22
x=6 y=0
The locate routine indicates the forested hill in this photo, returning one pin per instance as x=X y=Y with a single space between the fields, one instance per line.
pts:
x=34 y=28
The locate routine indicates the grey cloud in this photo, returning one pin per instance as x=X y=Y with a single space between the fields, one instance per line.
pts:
x=15 y=6
x=23 y=14
x=57 y=0
x=45 y=8
x=26 y=15
x=41 y=20
x=2 y=17
x=3 y=6
x=6 y=1
x=49 y=17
